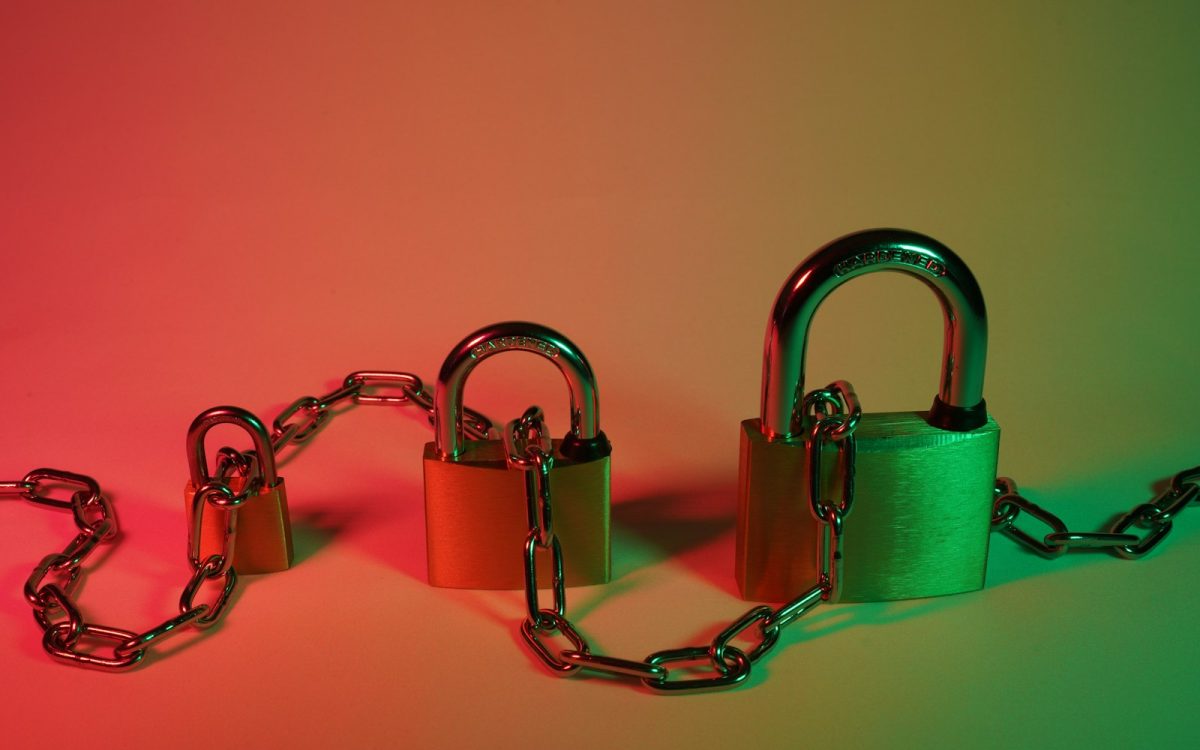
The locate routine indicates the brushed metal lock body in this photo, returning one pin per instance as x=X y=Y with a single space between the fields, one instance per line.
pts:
x=923 y=481
x=263 y=543
x=476 y=516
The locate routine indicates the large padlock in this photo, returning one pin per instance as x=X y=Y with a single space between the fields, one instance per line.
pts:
x=476 y=517
x=923 y=480
x=263 y=540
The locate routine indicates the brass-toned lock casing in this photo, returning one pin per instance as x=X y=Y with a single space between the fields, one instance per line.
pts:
x=920 y=519
x=264 y=538
x=919 y=527
x=476 y=519
x=476 y=514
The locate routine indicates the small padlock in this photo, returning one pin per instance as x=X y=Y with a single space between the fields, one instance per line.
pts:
x=476 y=518
x=263 y=543
x=923 y=480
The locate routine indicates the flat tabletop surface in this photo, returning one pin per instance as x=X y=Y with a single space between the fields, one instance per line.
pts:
x=229 y=205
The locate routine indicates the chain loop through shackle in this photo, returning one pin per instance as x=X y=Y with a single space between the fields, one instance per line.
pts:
x=359 y=387
x=835 y=427
x=93 y=515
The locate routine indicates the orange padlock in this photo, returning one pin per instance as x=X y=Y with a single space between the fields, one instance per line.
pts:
x=222 y=509
x=475 y=499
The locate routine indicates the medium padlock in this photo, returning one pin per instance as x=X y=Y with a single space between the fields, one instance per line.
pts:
x=923 y=480
x=263 y=543
x=476 y=520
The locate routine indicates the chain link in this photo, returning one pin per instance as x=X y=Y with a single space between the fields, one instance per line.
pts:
x=65 y=629
x=835 y=427
x=527 y=447
x=1155 y=518
x=302 y=418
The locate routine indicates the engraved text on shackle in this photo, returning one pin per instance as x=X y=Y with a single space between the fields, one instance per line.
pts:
x=891 y=255
x=514 y=342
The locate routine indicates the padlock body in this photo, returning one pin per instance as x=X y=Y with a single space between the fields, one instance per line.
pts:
x=918 y=527
x=264 y=530
x=476 y=519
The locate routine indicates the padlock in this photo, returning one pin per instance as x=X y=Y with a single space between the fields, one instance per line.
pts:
x=263 y=541
x=476 y=518
x=923 y=480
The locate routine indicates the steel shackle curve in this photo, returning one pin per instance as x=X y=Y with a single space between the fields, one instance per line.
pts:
x=513 y=336
x=959 y=404
x=198 y=459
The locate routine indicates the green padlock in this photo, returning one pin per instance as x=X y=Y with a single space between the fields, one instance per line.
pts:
x=923 y=480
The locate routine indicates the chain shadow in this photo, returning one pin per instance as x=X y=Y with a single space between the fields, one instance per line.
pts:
x=507 y=610
x=1075 y=502
x=507 y=607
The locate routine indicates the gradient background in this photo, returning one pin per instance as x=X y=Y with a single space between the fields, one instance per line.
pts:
x=213 y=203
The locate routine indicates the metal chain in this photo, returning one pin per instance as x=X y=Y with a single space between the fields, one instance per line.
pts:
x=357 y=386
x=836 y=427
x=53 y=609
x=64 y=629
x=830 y=415
x=1156 y=518
x=527 y=446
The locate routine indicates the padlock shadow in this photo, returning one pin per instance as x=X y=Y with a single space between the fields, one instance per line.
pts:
x=693 y=527
x=506 y=609
x=313 y=530
x=388 y=526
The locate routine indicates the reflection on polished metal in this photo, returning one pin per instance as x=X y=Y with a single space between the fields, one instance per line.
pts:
x=512 y=336
x=964 y=351
x=475 y=499
x=247 y=523
x=923 y=479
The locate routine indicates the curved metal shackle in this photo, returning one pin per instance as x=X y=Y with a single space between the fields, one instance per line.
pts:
x=198 y=459
x=517 y=336
x=959 y=404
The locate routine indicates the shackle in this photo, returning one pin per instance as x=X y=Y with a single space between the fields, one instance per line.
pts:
x=959 y=403
x=584 y=442
x=198 y=459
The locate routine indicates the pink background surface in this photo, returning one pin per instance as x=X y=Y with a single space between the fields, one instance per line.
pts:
x=215 y=203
